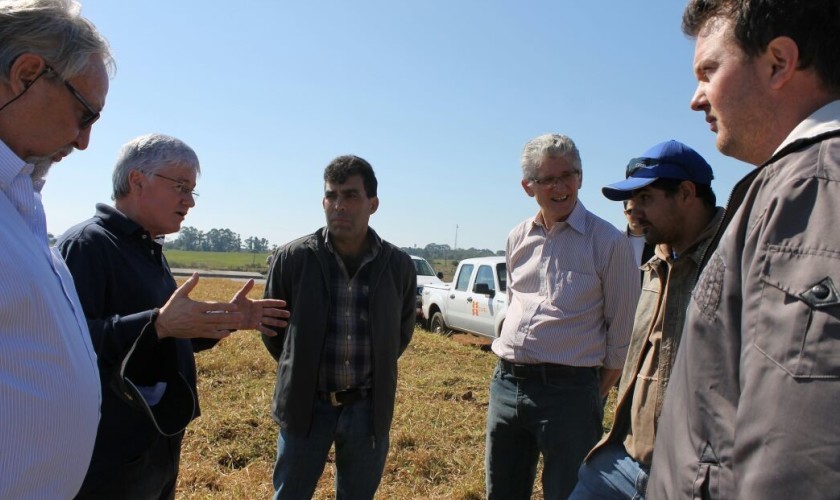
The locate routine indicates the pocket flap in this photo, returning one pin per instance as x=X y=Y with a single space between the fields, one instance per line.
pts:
x=802 y=275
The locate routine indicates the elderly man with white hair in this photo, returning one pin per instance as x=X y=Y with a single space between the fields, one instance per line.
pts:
x=144 y=330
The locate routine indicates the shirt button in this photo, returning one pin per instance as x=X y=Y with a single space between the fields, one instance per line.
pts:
x=347 y=363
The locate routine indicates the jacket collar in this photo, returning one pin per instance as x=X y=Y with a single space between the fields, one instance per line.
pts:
x=118 y=221
x=822 y=121
x=319 y=240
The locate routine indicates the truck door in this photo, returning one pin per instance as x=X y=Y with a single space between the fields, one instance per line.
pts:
x=482 y=310
x=458 y=309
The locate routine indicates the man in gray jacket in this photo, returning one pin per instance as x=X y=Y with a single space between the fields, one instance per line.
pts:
x=352 y=299
x=751 y=409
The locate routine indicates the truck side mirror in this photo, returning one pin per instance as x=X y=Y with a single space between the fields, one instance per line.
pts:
x=484 y=289
x=440 y=275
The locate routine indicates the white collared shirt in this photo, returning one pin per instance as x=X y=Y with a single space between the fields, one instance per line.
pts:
x=572 y=293
x=49 y=382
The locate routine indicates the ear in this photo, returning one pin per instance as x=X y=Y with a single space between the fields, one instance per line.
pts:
x=686 y=191
x=782 y=54
x=526 y=185
x=136 y=181
x=25 y=70
x=374 y=204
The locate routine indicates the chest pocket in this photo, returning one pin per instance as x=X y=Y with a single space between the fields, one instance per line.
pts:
x=798 y=324
x=575 y=292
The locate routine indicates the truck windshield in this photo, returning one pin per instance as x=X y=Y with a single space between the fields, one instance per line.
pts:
x=423 y=268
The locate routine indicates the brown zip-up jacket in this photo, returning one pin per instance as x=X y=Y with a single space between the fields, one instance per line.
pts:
x=660 y=313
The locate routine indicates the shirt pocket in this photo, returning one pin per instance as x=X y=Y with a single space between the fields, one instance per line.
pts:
x=798 y=325
x=576 y=292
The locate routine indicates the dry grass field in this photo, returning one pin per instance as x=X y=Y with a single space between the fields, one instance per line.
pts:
x=437 y=438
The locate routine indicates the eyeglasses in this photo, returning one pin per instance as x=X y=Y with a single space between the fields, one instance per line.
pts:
x=566 y=179
x=180 y=186
x=25 y=88
x=91 y=115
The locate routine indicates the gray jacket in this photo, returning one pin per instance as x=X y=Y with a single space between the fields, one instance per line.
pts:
x=752 y=407
x=300 y=276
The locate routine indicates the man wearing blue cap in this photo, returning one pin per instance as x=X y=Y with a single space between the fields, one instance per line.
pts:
x=670 y=186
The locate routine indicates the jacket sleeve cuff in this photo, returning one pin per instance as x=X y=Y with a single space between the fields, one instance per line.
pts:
x=177 y=406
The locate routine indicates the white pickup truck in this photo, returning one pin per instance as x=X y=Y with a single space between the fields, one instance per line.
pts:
x=475 y=302
x=426 y=275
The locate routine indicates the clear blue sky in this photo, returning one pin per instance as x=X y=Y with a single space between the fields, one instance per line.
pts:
x=440 y=96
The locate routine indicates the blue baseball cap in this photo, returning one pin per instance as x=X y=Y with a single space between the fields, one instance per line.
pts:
x=666 y=160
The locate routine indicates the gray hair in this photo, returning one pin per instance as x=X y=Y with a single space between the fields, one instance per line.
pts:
x=54 y=30
x=150 y=153
x=548 y=146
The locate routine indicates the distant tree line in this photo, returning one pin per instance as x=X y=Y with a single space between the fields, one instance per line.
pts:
x=435 y=251
x=216 y=240
x=225 y=240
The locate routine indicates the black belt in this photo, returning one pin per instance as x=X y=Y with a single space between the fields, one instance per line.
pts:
x=340 y=398
x=541 y=370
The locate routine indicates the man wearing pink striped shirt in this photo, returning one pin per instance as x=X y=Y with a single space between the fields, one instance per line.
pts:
x=572 y=292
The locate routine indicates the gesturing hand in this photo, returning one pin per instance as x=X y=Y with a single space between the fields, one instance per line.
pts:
x=183 y=317
x=261 y=313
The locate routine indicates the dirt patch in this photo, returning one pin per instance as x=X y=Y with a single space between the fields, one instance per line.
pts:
x=482 y=343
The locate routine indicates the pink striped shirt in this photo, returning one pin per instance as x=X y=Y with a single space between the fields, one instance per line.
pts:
x=572 y=293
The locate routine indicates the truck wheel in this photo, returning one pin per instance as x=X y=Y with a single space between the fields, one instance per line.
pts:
x=437 y=325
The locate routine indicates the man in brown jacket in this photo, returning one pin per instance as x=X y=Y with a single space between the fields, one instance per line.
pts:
x=751 y=409
x=670 y=186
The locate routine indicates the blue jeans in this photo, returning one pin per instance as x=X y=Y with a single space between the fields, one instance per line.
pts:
x=557 y=416
x=611 y=474
x=359 y=456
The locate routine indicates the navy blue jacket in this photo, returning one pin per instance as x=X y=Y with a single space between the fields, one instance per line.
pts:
x=121 y=275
